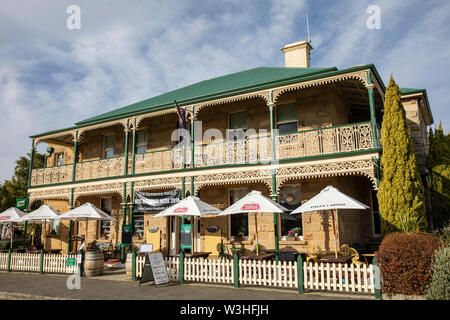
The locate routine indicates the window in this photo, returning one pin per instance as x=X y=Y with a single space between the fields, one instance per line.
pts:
x=287 y=118
x=138 y=224
x=237 y=123
x=290 y=198
x=141 y=141
x=238 y=222
x=375 y=214
x=109 y=146
x=105 y=226
x=60 y=159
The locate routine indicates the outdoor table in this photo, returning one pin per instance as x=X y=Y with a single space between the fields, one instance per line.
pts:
x=55 y=251
x=332 y=259
x=368 y=255
x=34 y=251
x=197 y=255
x=20 y=250
x=288 y=255
x=261 y=256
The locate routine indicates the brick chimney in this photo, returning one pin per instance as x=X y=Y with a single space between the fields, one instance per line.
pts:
x=297 y=54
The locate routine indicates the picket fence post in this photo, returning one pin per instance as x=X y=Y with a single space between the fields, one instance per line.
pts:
x=236 y=270
x=300 y=288
x=377 y=278
x=41 y=262
x=181 y=268
x=8 y=266
x=133 y=265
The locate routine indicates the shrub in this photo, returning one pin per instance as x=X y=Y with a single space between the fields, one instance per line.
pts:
x=444 y=234
x=439 y=288
x=405 y=262
x=6 y=244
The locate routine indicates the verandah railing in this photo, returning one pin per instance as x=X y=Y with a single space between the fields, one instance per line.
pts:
x=253 y=149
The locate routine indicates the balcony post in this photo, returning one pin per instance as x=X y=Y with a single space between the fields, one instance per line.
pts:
x=124 y=217
x=192 y=138
x=125 y=166
x=75 y=148
x=133 y=149
x=31 y=163
x=274 y=184
x=69 y=242
x=131 y=202
x=372 y=110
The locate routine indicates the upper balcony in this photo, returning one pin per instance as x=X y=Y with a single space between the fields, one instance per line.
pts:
x=335 y=118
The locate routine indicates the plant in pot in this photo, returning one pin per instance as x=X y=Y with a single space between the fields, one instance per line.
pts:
x=293 y=233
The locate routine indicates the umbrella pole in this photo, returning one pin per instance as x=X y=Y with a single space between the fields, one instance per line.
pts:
x=85 y=239
x=45 y=232
x=334 y=232
x=256 y=229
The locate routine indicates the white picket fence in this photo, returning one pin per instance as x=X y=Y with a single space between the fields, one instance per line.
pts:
x=328 y=277
x=268 y=273
x=30 y=262
x=172 y=265
x=339 y=277
x=209 y=270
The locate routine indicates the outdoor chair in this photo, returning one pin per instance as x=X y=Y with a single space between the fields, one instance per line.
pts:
x=346 y=250
x=313 y=253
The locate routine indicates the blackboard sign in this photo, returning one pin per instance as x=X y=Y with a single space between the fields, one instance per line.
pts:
x=154 y=269
x=126 y=234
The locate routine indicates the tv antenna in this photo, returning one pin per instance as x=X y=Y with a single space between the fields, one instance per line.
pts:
x=307 y=27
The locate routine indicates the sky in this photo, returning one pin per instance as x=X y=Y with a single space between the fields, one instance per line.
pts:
x=52 y=76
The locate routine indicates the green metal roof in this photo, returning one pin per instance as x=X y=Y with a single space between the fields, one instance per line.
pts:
x=225 y=86
x=210 y=89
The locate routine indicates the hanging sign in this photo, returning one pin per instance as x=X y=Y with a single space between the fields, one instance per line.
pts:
x=20 y=203
x=154 y=269
x=155 y=202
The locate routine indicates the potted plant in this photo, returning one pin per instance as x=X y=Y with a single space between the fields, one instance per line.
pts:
x=292 y=234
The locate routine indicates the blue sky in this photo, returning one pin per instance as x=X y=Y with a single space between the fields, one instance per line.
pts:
x=52 y=77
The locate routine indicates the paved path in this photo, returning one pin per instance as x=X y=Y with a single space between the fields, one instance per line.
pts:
x=35 y=286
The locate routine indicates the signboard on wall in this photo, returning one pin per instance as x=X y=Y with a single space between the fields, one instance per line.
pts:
x=21 y=203
x=155 y=202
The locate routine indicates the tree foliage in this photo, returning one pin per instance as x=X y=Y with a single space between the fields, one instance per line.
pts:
x=401 y=193
x=438 y=165
x=16 y=187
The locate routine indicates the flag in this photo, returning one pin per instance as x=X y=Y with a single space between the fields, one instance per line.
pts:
x=181 y=119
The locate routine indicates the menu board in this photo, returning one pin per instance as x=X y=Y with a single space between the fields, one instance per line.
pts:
x=154 y=269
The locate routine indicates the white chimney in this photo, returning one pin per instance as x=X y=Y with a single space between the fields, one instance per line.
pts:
x=297 y=54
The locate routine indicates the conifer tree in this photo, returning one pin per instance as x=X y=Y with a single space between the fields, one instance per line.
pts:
x=401 y=194
x=438 y=165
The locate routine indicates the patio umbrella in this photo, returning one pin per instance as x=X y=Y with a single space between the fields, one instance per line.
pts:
x=254 y=202
x=332 y=199
x=41 y=215
x=84 y=213
x=11 y=215
x=190 y=206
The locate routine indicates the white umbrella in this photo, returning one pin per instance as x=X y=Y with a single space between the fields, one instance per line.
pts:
x=41 y=215
x=254 y=202
x=86 y=212
x=190 y=206
x=330 y=198
x=11 y=215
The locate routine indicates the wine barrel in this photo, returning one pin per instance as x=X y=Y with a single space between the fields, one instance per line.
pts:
x=93 y=263
x=129 y=264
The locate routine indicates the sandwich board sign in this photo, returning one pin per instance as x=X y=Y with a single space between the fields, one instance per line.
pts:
x=154 y=269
